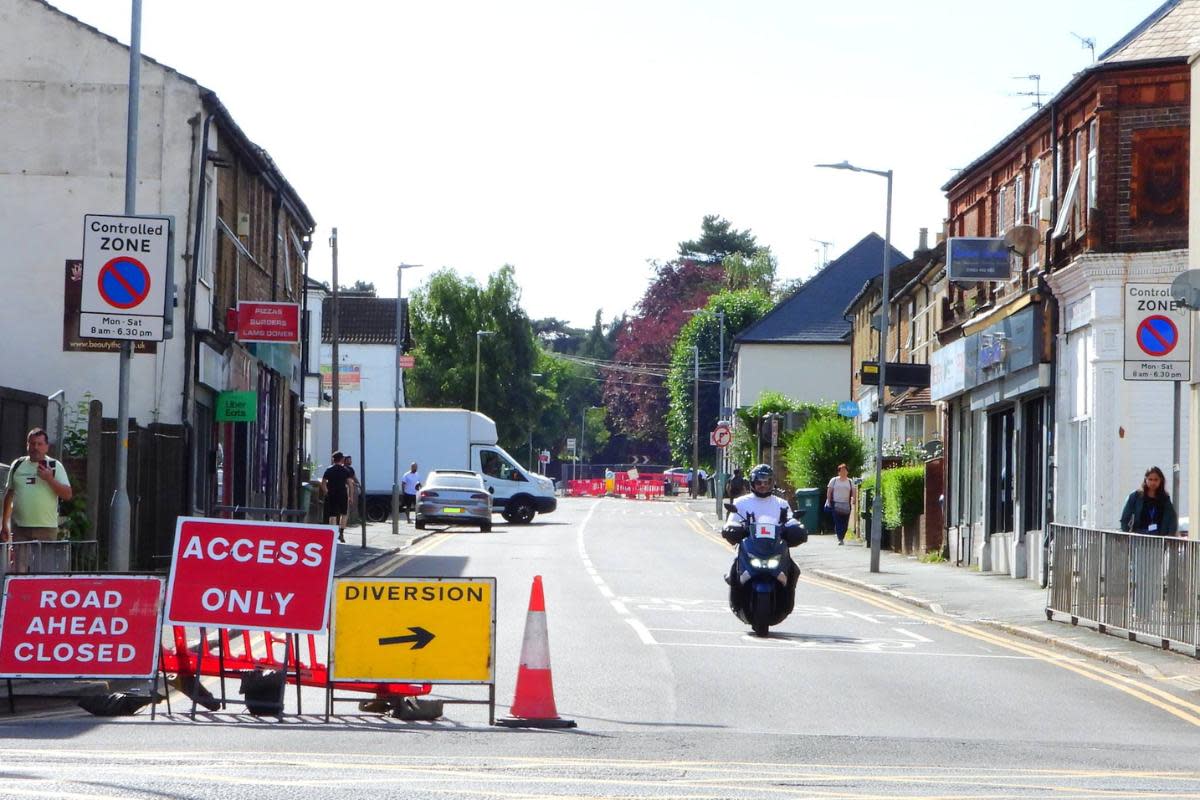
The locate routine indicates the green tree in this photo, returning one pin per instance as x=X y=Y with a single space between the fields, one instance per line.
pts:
x=741 y=309
x=446 y=313
x=812 y=457
x=718 y=239
x=755 y=271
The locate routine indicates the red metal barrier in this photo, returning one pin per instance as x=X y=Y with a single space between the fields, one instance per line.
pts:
x=232 y=661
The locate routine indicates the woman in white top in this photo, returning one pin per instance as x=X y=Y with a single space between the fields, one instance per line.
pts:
x=839 y=499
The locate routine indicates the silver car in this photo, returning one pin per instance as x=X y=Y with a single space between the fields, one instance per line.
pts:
x=454 y=497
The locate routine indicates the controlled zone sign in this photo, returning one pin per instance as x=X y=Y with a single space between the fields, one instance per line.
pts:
x=266 y=576
x=83 y=626
x=1158 y=334
x=126 y=275
x=417 y=630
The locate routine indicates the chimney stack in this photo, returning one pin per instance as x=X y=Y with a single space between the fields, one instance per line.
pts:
x=923 y=240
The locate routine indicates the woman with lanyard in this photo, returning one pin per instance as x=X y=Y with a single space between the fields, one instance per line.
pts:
x=1149 y=509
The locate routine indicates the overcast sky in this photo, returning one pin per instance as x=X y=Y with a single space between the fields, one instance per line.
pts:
x=576 y=140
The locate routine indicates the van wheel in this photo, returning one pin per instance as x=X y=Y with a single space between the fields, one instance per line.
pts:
x=485 y=527
x=520 y=512
x=378 y=510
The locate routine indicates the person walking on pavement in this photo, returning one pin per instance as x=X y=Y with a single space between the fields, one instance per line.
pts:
x=336 y=487
x=352 y=504
x=36 y=483
x=411 y=483
x=1149 y=509
x=737 y=485
x=839 y=499
x=701 y=482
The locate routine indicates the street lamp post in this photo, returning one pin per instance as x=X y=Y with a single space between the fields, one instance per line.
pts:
x=479 y=338
x=694 y=479
x=579 y=450
x=396 y=435
x=532 y=375
x=877 y=505
x=721 y=467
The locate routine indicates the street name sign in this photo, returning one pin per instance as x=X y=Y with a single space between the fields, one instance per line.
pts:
x=83 y=626
x=419 y=630
x=266 y=576
x=1158 y=334
x=268 y=322
x=126 y=275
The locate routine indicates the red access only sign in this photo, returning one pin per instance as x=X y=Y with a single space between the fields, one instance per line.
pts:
x=271 y=576
x=268 y=322
x=84 y=626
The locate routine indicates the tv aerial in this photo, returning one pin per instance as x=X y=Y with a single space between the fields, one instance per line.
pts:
x=1087 y=41
x=1036 y=94
x=824 y=251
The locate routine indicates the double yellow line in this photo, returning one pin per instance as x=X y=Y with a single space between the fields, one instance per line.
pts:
x=1167 y=701
x=386 y=565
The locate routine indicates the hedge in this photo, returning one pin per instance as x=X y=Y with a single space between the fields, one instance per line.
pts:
x=903 y=495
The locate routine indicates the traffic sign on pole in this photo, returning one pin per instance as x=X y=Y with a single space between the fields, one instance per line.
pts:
x=1158 y=334
x=722 y=436
x=126 y=276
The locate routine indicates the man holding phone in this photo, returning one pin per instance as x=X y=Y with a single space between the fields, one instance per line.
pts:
x=35 y=485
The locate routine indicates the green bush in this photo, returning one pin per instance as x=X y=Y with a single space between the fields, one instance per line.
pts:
x=903 y=495
x=744 y=451
x=813 y=456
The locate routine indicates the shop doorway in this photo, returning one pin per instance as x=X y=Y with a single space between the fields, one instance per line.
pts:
x=1000 y=471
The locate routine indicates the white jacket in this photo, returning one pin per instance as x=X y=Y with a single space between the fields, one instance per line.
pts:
x=764 y=509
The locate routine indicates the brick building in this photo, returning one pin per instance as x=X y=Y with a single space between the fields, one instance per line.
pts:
x=1041 y=423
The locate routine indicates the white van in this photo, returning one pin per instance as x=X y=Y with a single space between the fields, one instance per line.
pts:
x=434 y=438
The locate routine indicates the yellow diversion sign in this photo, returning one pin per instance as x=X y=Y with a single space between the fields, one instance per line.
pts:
x=422 y=630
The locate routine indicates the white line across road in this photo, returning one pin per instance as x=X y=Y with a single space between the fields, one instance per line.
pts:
x=622 y=610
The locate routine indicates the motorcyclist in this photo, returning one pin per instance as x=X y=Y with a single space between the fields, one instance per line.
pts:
x=762 y=501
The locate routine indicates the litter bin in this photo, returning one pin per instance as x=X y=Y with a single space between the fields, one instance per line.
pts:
x=808 y=508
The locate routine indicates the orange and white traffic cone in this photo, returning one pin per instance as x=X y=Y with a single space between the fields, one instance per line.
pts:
x=533 y=702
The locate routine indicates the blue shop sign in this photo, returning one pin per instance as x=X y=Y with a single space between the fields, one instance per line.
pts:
x=977 y=258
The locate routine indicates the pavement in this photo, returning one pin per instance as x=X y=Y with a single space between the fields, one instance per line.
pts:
x=1015 y=606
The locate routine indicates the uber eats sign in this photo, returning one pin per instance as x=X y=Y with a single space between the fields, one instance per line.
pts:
x=237 y=407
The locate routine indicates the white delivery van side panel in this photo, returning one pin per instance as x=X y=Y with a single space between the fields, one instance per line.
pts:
x=483 y=429
x=434 y=438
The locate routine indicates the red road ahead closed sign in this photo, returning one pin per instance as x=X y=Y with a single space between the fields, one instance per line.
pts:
x=253 y=575
x=85 y=626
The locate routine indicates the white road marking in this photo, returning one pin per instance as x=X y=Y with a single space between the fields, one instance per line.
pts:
x=867 y=617
x=914 y=636
x=622 y=610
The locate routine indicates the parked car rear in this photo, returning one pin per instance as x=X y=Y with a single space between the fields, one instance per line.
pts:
x=454 y=497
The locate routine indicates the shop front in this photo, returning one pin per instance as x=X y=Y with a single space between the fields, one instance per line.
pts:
x=996 y=384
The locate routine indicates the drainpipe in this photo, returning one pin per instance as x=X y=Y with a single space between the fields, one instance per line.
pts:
x=189 y=325
x=275 y=204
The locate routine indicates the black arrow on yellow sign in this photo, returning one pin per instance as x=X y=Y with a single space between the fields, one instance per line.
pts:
x=419 y=639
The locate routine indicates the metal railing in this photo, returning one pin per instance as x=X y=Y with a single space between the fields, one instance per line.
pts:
x=1146 y=586
x=261 y=513
x=61 y=556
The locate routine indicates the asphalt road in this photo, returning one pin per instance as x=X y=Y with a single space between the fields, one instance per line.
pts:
x=854 y=696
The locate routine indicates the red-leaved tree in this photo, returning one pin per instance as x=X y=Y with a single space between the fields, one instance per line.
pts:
x=635 y=398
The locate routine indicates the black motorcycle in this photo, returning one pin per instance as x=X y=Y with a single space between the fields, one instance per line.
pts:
x=762 y=579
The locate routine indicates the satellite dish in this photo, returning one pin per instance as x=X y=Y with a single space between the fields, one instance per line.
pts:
x=1021 y=239
x=1186 y=289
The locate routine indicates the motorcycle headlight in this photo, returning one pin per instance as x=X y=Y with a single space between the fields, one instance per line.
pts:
x=765 y=563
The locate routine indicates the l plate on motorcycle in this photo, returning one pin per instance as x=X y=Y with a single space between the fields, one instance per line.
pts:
x=764 y=530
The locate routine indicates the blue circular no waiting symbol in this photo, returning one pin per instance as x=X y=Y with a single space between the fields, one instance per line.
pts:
x=1157 y=335
x=124 y=282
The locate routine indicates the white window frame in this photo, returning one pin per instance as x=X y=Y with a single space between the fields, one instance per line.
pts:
x=207 y=257
x=1001 y=210
x=1018 y=198
x=1064 y=213
x=1093 y=161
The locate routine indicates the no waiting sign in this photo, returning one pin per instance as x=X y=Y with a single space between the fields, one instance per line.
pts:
x=126 y=272
x=1158 y=334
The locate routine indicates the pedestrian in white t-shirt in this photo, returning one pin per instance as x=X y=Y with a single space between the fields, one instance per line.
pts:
x=411 y=484
x=839 y=499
